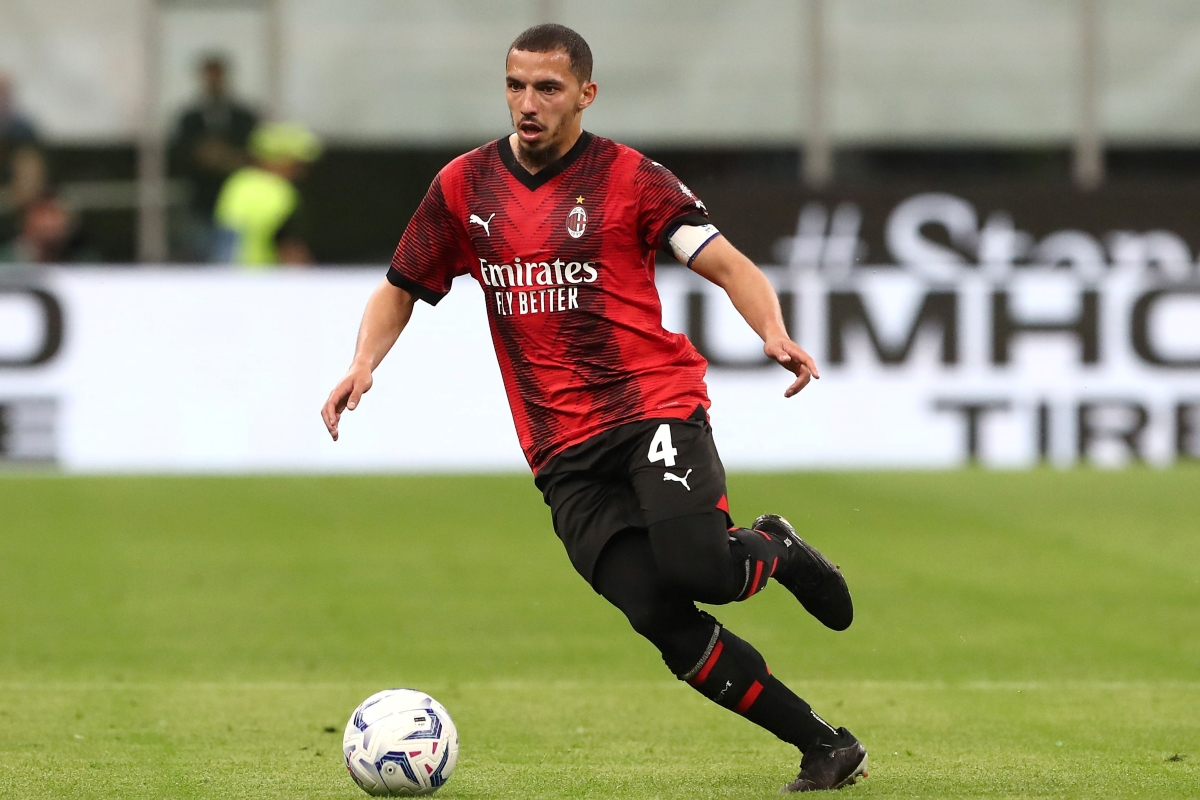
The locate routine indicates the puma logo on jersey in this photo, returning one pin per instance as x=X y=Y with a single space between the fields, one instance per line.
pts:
x=728 y=686
x=478 y=220
x=671 y=477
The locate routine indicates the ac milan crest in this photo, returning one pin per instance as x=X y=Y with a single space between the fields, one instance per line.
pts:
x=576 y=222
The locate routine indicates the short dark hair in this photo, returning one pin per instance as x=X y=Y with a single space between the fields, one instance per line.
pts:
x=548 y=37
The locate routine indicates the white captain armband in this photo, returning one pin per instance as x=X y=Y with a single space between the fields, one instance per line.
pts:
x=688 y=240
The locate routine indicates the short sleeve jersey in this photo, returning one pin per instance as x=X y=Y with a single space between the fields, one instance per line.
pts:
x=565 y=258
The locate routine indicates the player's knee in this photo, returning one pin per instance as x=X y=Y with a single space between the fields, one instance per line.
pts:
x=641 y=605
x=692 y=554
x=680 y=632
x=648 y=622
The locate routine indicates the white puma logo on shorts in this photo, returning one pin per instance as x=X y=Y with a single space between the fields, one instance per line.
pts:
x=670 y=477
x=478 y=220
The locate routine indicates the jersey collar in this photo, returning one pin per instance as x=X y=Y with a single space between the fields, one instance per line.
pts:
x=534 y=180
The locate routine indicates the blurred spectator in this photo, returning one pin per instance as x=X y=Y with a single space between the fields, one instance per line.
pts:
x=49 y=234
x=209 y=145
x=22 y=168
x=259 y=215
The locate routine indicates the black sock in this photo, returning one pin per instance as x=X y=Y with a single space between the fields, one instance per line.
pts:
x=734 y=675
x=760 y=554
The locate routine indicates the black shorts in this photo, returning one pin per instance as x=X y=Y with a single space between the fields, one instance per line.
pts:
x=631 y=477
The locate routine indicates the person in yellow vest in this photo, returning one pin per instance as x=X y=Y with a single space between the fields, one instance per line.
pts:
x=258 y=210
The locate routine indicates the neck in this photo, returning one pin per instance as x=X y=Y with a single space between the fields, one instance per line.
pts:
x=535 y=161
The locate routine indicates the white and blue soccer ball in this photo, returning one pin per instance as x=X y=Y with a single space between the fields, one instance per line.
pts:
x=400 y=742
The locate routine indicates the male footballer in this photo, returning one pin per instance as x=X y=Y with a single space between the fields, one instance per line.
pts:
x=560 y=228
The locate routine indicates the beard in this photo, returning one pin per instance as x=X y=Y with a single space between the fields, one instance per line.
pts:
x=544 y=152
x=538 y=156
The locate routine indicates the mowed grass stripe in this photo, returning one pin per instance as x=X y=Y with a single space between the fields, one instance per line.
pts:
x=599 y=739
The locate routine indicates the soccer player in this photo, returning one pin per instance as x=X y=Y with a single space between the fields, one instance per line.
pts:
x=560 y=229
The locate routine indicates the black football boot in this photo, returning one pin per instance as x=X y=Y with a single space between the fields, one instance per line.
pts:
x=807 y=574
x=831 y=766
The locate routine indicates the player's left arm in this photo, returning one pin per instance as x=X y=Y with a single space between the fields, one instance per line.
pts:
x=755 y=299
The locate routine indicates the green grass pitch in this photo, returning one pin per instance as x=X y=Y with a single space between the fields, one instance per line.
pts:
x=1018 y=635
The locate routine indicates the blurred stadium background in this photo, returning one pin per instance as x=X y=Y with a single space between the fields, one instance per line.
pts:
x=983 y=219
x=984 y=210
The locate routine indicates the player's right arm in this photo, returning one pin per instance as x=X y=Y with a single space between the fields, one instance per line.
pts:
x=428 y=258
x=388 y=312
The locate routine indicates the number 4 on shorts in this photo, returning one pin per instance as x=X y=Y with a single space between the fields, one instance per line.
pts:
x=660 y=446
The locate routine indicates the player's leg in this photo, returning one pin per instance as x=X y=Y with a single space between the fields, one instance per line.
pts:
x=710 y=562
x=680 y=483
x=594 y=508
x=718 y=664
x=696 y=553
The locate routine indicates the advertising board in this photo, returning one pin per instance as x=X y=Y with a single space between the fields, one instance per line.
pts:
x=212 y=370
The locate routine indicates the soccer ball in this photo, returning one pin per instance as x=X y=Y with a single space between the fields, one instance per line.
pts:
x=400 y=742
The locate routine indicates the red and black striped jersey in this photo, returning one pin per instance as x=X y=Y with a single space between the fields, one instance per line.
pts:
x=565 y=258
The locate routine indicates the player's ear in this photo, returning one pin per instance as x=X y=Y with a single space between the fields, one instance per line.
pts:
x=588 y=94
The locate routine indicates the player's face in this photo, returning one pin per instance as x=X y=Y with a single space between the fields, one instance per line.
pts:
x=546 y=101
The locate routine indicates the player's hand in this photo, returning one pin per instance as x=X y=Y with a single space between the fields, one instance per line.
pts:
x=792 y=357
x=345 y=397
